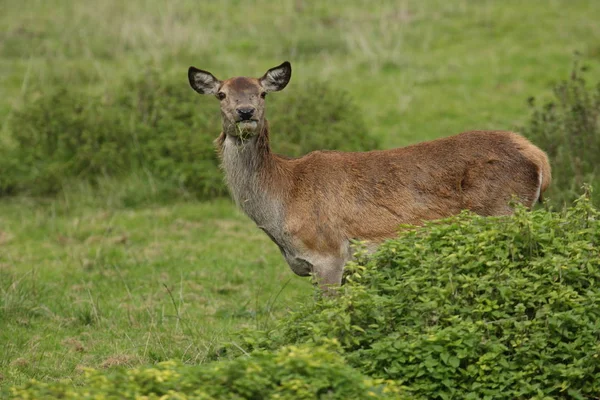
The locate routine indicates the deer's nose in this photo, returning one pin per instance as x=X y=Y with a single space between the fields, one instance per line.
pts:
x=245 y=113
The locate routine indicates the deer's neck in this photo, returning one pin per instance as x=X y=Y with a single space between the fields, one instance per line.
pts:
x=253 y=176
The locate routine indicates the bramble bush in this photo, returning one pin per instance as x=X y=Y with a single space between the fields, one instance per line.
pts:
x=472 y=308
x=292 y=372
x=156 y=126
x=568 y=129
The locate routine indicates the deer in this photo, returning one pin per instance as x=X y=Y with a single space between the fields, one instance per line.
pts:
x=316 y=206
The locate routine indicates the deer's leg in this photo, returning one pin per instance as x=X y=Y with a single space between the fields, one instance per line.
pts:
x=328 y=271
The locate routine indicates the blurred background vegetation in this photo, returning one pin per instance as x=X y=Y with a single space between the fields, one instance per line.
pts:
x=98 y=91
x=106 y=255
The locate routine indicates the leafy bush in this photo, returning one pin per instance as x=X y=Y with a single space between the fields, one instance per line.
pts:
x=314 y=117
x=472 y=308
x=290 y=373
x=149 y=125
x=568 y=129
x=155 y=125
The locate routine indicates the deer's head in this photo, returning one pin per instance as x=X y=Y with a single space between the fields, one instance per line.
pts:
x=242 y=99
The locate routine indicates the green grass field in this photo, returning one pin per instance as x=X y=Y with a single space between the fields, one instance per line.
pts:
x=86 y=283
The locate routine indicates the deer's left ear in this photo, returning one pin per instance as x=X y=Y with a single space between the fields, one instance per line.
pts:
x=203 y=82
x=277 y=78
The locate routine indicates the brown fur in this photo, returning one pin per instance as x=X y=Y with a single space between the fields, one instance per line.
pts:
x=318 y=203
x=334 y=196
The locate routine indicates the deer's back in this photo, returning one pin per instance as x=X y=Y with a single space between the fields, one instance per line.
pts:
x=366 y=195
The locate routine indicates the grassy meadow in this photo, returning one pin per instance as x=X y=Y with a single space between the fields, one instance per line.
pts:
x=86 y=282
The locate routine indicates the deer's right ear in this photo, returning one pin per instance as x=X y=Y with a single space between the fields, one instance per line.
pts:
x=203 y=82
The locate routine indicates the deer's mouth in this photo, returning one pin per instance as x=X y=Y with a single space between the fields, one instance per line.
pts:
x=247 y=125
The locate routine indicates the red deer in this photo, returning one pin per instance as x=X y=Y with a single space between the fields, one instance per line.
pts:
x=314 y=206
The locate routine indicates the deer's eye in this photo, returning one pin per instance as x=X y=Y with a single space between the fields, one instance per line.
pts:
x=263 y=95
x=220 y=95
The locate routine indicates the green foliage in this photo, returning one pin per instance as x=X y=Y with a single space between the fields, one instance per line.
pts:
x=148 y=126
x=317 y=116
x=156 y=126
x=472 y=308
x=568 y=129
x=293 y=372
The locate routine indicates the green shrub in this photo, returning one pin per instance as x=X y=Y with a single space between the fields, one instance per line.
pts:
x=472 y=308
x=289 y=373
x=148 y=126
x=157 y=126
x=568 y=129
x=317 y=116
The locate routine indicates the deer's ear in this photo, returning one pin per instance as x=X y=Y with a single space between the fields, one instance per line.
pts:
x=277 y=78
x=203 y=82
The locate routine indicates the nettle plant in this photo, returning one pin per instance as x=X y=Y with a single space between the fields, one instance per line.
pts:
x=471 y=308
x=292 y=372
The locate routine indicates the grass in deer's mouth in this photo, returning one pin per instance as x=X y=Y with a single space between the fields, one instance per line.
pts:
x=246 y=129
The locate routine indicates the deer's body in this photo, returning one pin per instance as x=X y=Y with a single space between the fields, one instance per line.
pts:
x=313 y=206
